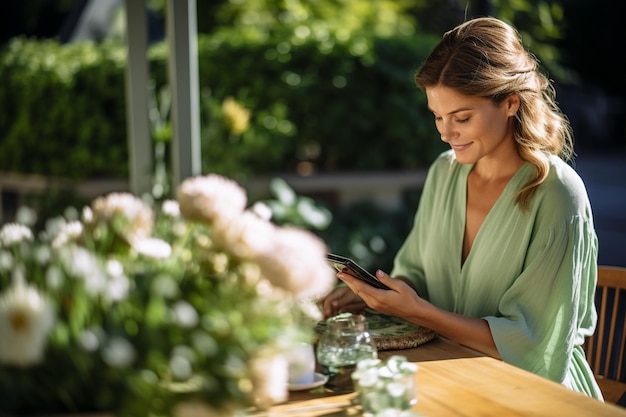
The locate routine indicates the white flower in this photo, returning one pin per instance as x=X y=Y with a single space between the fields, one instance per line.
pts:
x=268 y=374
x=262 y=210
x=211 y=198
x=119 y=352
x=90 y=339
x=152 y=248
x=181 y=367
x=117 y=288
x=87 y=214
x=14 y=233
x=117 y=285
x=114 y=268
x=185 y=314
x=68 y=233
x=84 y=265
x=311 y=311
x=82 y=262
x=297 y=263
x=26 y=319
x=181 y=362
x=130 y=217
x=171 y=208
x=6 y=260
x=54 y=226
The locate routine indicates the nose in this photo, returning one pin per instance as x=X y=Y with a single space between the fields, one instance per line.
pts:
x=446 y=131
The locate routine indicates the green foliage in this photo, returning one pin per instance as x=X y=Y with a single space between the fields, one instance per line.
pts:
x=540 y=23
x=314 y=103
x=370 y=234
x=317 y=103
x=289 y=208
x=63 y=109
x=331 y=18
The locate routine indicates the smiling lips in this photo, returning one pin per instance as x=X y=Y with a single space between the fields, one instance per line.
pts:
x=459 y=148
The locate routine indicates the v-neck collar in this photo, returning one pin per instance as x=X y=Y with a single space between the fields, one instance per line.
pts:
x=507 y=193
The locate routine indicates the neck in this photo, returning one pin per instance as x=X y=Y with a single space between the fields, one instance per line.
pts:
x=499 y=166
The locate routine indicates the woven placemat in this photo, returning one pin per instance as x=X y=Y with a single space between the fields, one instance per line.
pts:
x=393 y=333
x=414 y=339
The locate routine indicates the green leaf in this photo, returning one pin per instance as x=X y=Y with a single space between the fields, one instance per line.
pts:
x=281 y=190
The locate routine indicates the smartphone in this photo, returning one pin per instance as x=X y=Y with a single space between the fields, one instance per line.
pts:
x=339 y=262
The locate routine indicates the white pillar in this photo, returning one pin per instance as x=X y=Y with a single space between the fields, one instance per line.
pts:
x=182 y=36
x=138 y=124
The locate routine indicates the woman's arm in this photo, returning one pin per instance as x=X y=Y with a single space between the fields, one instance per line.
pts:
x=403 y=301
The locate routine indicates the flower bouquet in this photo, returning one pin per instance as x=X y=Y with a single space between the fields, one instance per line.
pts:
x=135 y=308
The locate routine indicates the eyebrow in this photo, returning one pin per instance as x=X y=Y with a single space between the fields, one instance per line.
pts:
x=454 y=111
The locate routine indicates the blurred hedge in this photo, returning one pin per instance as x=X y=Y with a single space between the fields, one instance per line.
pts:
x=320 y=103
x=63 y=110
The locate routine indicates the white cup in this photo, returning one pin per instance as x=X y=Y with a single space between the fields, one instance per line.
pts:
x=301 y=364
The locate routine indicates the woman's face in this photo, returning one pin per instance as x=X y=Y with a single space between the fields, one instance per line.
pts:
x=474 y=127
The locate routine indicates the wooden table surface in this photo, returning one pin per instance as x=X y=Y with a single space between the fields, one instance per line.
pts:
x=454 y=381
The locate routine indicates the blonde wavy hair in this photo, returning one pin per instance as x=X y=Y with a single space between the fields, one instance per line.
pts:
x=485 y=57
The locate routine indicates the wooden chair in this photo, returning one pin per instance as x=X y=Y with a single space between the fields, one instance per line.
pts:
x=606 y=348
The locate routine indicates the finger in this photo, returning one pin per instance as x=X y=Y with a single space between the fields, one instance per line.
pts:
x=340 y=299
x=352 y=282
x=330 y=307
x=336 y=300
x=359 y=288
x=387 y=279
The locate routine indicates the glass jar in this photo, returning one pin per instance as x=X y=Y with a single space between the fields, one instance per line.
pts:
x=386 y=388
x=344 y=342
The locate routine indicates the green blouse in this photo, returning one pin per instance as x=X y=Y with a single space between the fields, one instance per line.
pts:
x=530 y=274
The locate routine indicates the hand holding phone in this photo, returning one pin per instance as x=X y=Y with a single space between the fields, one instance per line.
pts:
x=339 y=262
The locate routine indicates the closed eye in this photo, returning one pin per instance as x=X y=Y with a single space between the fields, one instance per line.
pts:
x=462 y=120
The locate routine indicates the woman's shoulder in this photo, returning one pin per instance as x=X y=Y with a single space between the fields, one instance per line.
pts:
x=562 y=176
x=563 y=187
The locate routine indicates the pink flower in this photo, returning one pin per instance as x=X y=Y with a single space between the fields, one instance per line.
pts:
x=211 y=198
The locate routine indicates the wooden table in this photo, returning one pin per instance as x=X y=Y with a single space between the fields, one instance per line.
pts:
x=455 y=381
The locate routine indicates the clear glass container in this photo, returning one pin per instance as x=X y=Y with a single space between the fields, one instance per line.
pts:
x=344 y=342
x=386 y=388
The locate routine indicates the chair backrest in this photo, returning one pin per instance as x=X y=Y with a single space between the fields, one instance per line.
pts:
x=607 y=347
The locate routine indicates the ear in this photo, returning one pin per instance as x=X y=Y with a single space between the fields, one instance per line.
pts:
x=512 y=104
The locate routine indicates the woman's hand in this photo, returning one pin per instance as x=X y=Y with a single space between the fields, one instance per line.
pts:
x=357 y=295
x=401 y=300
x=340 y=300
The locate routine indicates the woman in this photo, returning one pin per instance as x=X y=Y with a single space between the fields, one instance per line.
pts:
x=502 y=255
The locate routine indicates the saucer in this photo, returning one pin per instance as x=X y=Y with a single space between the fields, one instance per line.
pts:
x=318 y=381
